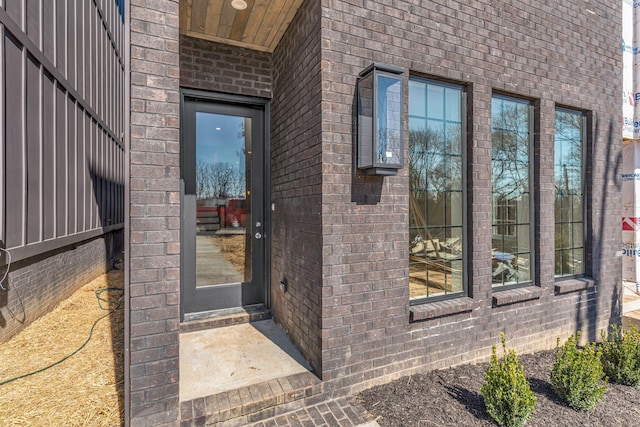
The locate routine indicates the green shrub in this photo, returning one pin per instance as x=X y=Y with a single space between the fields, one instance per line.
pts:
x=621 y=356
x=506 y=390
x=577 y=374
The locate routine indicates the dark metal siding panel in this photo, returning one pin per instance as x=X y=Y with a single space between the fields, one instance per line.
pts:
x=71 y=42
x=2 y=135
x=48 y=157
x=94 y=48
x=61 y=39
x=88 y=190
x=80 y=165
x=48 y=38
x=61 y=162
x=71 y=165
x=14 y=9
x=33 y=160
x=95 y=175
x=61 y=98
x=33 y=21
x=80 y=63
x=14 y=151
x=88 y=74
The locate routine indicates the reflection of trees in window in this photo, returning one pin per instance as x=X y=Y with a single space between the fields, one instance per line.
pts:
x=219 y=180
x=569 y=214
x=511 y=190
x=436 y=190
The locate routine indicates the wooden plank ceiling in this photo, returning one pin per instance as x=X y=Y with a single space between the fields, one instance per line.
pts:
x=260 y=26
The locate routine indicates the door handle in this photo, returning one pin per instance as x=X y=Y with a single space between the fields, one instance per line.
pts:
x=258 y=235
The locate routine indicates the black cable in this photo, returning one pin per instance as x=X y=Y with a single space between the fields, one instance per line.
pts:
x=98 y=293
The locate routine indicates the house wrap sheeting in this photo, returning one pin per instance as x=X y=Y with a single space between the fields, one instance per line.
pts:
x=631 y=142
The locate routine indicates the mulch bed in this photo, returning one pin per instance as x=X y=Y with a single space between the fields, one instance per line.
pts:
x=87 y=388
x=451 y=397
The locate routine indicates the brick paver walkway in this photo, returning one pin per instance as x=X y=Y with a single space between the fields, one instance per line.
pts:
x=341 y=412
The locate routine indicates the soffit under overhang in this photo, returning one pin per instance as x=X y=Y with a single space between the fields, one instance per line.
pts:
x=260 y=26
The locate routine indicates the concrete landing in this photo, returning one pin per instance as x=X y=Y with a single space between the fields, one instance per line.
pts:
x=222 y=359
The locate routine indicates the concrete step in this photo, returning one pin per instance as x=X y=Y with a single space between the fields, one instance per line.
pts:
x=246 y=405
x=227 y=317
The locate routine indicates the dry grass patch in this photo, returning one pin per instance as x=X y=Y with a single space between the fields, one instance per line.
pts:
x=86 y=389
x=232 y=248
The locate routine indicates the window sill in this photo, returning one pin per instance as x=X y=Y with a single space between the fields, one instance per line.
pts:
x=432 y=310
x=513 y=296
x=573 y=285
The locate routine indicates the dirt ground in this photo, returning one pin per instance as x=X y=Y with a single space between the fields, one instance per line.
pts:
x=87 y=388
x=452 y=397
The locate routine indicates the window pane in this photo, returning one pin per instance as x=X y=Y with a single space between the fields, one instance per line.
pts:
x=454 y=172
x=417 y=99
x=436 y=190
x=568 y=169
x=435 y=101
x=511 y=142
x=452 y=104
x=522 y=265
x=454 y=208
x=453 y=138
x=523 y=239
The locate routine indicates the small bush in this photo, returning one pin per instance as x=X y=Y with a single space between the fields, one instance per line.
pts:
x=506 y=390
x=621 y=356
x=577 y=375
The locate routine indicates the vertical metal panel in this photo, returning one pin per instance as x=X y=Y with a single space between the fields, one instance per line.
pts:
x=14 y=150
x=88 y=189
x=80 y=165
x=80 y=63
x=48 y=39
x=71 y=42
x=62 y=112
x=71 y=165
x=88 y=70
x=33 y=21
x=95 y=178
x=48 y=157
x=61 y=161
x=101 y=79
x=94 y=56
x=14 y=9
x=102 y=199
x=33 y=132
x=61 y=36
x=3 y=144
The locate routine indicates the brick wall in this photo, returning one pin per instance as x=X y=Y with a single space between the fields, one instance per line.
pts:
x=224 y=68
x=154 y=249
x=554 y=54
x=37 y=284
x=296 y=156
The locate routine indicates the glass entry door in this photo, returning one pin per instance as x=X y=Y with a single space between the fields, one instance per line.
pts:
x=222 y=206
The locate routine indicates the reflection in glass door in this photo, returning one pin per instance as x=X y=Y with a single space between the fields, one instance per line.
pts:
x=223 y=199
x=222 y=206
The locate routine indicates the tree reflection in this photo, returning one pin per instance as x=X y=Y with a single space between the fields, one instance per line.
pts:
x=510 y=188
x=219 y=180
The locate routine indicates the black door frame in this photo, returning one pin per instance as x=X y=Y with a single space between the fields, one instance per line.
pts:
x=242 y=102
